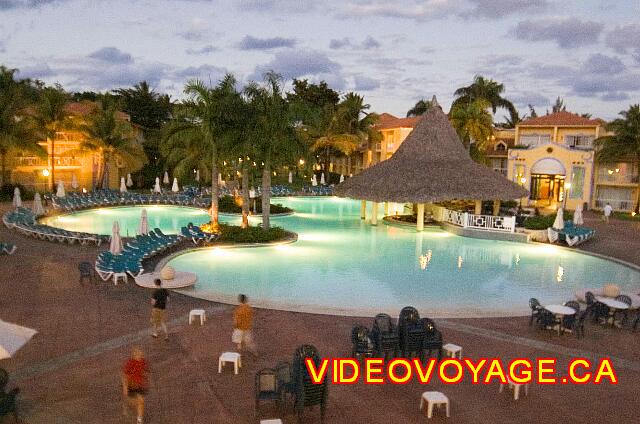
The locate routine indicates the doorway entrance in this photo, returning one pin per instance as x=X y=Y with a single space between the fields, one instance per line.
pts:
x=546 y=189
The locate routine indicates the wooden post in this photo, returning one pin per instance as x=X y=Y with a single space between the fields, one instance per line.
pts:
x=420 y=219
x=496 y=207
x=363 y=209
x=478 y=207
x=386 y=208
x=374 y=213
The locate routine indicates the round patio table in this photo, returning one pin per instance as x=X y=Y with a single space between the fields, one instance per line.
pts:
x=559 y=311
x=616 y=305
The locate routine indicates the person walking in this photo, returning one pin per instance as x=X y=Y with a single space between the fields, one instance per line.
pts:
x=242 y=325
x=607 y=212
x=158 y=311
x=135 y=383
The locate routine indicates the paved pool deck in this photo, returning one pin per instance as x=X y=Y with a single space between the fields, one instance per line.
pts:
x=69 y=372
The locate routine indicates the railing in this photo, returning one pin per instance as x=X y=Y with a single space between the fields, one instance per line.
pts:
x=616 y=204
x=505 y=224
x=37 y=161
x=617 y=178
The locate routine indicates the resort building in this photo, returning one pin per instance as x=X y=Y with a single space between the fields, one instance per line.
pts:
x=496 y=149
x=553 y=157
x=616 y=184
x=64 y=161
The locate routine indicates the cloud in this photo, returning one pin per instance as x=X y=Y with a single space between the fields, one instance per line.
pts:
x=414 y=9
x=277 y=6
x=203 y=50
x=362 y=83
x=337 y=44
x=253 y=43
x=111 y=55
x=297 y=63
x=625 y=39
x=197 y=30
x=500 y=8
x=37 y=71
x=207 y=73
x=2 y=48
x=567 y=33
x=24 y=4
x=615 y=96
x=525 y=98
x=601 y=64
x=368 y=43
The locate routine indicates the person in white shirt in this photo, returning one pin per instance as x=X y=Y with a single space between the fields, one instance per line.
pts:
x=607 y=212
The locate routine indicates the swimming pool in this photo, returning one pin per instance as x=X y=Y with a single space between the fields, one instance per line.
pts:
x=342 y=265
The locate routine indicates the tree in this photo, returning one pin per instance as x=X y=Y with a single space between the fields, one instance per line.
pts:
x=113 y=138
x=624 y=143
x=419 y=108
x=473 y=123
x=274 y=134
x=51 y=117
x=15 y=133
x=532 y=111
x=204 y=116
x=510 y=122
x=486 y=89
x=308 y=99
x=558 y=106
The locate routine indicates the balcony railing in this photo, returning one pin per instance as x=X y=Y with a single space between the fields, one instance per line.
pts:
x=504 y=224
x=616 y=204
x=37 y=161
x=618 y=178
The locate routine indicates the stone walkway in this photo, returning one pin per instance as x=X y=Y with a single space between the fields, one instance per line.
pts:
x=69 y=372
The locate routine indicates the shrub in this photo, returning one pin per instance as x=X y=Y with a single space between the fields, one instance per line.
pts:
x=6 y=192
x=227 y=204
x=236 y=234
x=542 y=222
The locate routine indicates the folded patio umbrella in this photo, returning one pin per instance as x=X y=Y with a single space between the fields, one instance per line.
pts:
x=314 y=180
x=74 y=182
x=558 y=224
x=577 y=216
x=156 y=187
x=37 y=205
x=322 y=179
x=143 y=228
x=175 y=187
x=12 y=338
x=341 y=178
x=290 y=177
x=123 y=185
x=165 y=180
x=129 y=181
x=60 y=191
x=17 y=200
x=198 y=175
x=116 y=242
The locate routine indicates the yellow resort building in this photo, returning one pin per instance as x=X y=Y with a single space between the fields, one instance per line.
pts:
x=64 y=160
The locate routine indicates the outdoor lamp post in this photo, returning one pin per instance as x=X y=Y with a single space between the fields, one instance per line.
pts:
x=567 y=186
x=522 y=181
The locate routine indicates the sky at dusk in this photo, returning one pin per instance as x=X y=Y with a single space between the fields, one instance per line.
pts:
x=392 y=52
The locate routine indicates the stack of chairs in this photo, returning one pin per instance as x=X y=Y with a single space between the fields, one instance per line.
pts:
x=362 y=346
x=385 y=336
x=432 y=339
x=306 y=393
x=411 y=331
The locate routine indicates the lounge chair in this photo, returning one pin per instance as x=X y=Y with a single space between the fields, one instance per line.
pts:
x=7 y=248
x=571 y=234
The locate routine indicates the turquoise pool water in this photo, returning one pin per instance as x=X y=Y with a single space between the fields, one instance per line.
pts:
x=341 y=264
x=100 y=221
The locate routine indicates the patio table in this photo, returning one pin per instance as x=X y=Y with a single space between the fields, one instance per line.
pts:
x=613 y=304
x=559 y=311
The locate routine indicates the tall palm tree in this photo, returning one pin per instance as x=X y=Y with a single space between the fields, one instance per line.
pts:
x=51 y=117
x=205 y=117
x=486 y=89
x=113 y=139
x=472 y=122
x=15 y=133
x=419 y=108
x=624 y=143
x=274 y=134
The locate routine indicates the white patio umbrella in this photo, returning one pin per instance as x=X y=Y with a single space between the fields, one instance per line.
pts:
x=198 y=175
x=60 y=191
x=322 y=179
x=290 y=177
x=37 y=205
x=143 y=228
x=558 y=224
x=74 y=182
x=12 y=338
x=341 y=178
x=156 y=187
x=123 y=185
x=17 y=200
x=175 y=187
x=116 y=242
x=220 y=179
x=577 y=216
x=165 y=180
x=314 y=181
x=129 y=181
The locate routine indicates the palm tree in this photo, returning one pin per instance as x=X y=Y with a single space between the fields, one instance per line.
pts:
x=15 y=133
x=51 y=117
x=486 y=89
x=113 y=139
x=472 y=122
x=558 y=106
x=624 y=143
x=204 y=117
x=510 y=122
x=274 y=134
x=419 y=108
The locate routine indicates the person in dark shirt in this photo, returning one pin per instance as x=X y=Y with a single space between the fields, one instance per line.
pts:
x=158 y=312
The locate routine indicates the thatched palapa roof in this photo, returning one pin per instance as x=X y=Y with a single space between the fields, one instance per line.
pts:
x=431 y=165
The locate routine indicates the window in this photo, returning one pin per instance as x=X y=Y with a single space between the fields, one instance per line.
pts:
x=501 y=147
x=535 y=139
x=579 y=141
x=577 y=182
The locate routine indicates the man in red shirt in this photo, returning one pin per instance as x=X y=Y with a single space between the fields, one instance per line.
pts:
x=135 y=382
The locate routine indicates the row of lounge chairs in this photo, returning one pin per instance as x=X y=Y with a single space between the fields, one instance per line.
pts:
x=411 y=337
x=277 y=190
x=24 y=221
x=571 y=234
x=142 y=247
x=100 y=198
x=320 y=190
x=7 y=248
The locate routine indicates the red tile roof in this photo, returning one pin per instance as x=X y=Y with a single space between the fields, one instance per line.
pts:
x=388 y=121
x=561 y=118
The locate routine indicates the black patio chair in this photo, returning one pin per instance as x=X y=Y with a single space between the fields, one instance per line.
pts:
x=8 y=399
x=546 y=319
x=577 y=325
x=267 y=387
x=410 y=332
x=432 y=339
x=535 y=306
x=596 y=310
x=624 y=312
x=637 y=321
x=286 y=384
x=361 y=343
x=573 y=304
x=306 y=392
x=86 y=271
x=385 y=336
